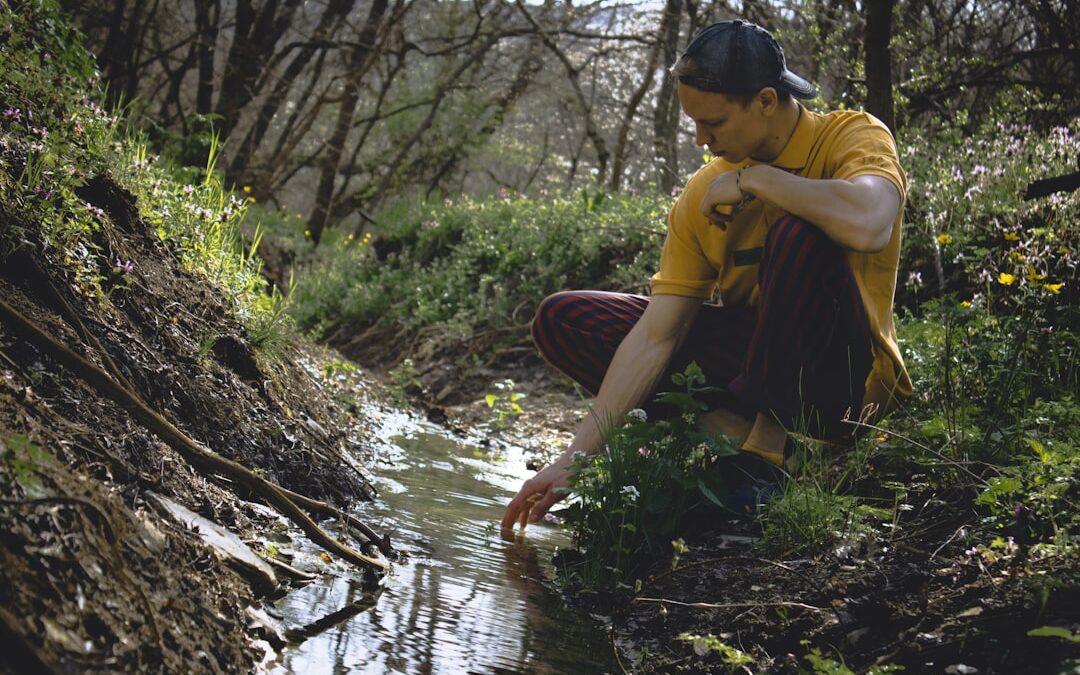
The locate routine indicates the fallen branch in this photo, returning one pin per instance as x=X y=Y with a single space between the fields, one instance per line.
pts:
x=198 y=456
x=730 y=605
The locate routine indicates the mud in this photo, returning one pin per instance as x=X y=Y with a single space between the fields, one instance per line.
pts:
x=92 y=576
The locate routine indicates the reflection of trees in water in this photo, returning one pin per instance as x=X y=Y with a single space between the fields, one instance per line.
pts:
x=464 y=601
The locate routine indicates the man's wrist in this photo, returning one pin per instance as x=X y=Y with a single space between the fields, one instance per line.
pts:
x=744 y=179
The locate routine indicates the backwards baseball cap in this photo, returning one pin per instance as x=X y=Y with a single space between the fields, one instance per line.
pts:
x=737 y=57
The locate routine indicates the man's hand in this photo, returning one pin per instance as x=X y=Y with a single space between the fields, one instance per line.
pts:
x=538 y=494
x=724 y=193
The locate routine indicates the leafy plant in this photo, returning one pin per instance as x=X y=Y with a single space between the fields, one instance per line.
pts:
x=648 y=482
x=731 y=657
x=24 y=458
x=504 y=403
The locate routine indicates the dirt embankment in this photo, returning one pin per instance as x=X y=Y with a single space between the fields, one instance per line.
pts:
x=93 y=575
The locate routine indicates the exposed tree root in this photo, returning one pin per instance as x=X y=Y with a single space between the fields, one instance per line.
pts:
x=203 y=459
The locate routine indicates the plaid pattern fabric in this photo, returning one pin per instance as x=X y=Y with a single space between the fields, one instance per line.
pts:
x=802 y=354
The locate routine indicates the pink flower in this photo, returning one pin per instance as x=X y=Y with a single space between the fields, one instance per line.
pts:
x=644 y=452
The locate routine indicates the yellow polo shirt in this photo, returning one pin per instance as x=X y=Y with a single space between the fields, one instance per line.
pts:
x=700 y=260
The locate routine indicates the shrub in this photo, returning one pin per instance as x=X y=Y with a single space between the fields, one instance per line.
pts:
x=637 y=494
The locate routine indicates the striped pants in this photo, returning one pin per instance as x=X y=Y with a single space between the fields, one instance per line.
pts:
x=801 y=355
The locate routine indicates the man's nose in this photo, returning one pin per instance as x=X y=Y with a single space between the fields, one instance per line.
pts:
x=702 y=135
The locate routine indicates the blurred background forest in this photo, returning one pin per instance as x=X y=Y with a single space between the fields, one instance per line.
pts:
x=335 y=108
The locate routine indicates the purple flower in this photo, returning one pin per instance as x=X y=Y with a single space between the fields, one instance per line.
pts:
x=124 y=267
x=13 y=114
x=1019 y=510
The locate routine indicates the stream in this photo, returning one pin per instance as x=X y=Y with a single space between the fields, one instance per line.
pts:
x=462 y=600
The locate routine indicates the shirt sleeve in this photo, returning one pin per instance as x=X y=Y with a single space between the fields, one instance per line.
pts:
x=684 y=268
x=865 y=147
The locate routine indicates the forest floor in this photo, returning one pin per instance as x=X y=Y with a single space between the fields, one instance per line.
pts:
x=919 y=594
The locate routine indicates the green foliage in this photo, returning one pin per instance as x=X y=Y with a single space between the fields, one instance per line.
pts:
x=633 y=497
x=464 y=266
x=23 y=458
x=1055 y=632
x=504 y=402
x=731 y=657
x=992 y=290
x=820 y=664
x=54 y=136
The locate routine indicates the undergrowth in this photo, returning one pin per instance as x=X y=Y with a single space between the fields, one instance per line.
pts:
x=55 y=136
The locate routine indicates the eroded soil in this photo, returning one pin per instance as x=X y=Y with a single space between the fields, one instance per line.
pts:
x=92 y=575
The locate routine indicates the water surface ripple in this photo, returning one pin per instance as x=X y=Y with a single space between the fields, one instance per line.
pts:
x=464 y=601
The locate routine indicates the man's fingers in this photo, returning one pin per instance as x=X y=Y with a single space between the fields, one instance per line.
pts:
x=541 y=507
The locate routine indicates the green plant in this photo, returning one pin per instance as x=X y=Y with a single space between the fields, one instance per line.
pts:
x=23 y=457
x=404 y=378
x=731 y=657
x=504 y=403
x=650 y=480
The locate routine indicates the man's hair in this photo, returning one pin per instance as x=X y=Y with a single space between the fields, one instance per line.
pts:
x=686 y=67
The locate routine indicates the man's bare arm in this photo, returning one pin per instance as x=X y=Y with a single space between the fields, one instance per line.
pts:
x=857 y=214
x=635 y=371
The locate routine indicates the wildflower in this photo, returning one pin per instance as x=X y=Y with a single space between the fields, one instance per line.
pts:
x=973 y=552
x=644 y=452
x=13 y=114
x=1006 y=279
x=251 y=199
x=247 y=188
x=188 y=189
x=631 y=492
x=551 y=518
x=125 y=267
x=1012 y=236
x=637 y=415
x=1055 y=288
x=944 y=239
x=965 y=304
x=914 y=278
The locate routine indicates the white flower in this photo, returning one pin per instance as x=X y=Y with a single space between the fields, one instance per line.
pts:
x=631 y=492
x=637 y=415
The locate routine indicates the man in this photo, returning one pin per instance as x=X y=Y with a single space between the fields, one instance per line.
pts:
x=796 y=226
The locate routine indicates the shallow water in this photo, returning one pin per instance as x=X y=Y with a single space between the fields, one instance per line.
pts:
x=464 y=601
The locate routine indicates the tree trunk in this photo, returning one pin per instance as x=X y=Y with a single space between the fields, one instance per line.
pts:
x=207 y=13
x=879 y=88
x=666 y=124
x=332 y=17
x=359 y=61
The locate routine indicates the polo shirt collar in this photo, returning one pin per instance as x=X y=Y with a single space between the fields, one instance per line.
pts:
x=797 y=151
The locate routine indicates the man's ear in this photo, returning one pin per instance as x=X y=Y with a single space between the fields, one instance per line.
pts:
x=767 y=100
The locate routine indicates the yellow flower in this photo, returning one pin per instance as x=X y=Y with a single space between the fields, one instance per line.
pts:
x=1006 y=278
x=1055 y=288
x=1063 y=251
x=251 y=199
x=1012 y=236
x=247 y=188
x=944 y=239
x=965 y=304
x=1033 y=276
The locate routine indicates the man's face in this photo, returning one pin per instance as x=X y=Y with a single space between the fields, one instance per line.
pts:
x=730 y=131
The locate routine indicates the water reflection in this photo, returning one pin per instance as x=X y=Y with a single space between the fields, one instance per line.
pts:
x=464 y=601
